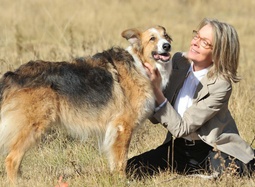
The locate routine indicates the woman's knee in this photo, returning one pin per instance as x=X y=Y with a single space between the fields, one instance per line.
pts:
x=148 y=163
x=223 y=163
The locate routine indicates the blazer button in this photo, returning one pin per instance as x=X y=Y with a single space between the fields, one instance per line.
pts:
x=165 y=125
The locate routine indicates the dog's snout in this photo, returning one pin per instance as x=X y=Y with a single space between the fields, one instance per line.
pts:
x=166 y=46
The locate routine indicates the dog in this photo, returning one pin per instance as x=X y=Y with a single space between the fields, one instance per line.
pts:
x=109 y=92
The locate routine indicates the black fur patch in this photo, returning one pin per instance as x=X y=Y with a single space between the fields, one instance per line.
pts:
x=80 y=82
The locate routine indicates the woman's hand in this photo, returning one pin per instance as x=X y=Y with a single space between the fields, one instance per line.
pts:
x=154 y=75
x=156 y=80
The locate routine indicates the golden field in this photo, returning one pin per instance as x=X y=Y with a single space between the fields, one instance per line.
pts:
x=60 y=30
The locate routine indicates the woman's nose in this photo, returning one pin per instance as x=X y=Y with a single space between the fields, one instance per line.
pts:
x=195 y=42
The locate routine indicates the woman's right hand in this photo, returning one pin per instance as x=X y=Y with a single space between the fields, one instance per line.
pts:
x=156 y=80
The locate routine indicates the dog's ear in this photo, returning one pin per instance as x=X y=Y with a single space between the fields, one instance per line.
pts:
x=131 y=35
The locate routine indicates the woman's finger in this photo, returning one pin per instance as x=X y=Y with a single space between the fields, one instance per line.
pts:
x=149 y=67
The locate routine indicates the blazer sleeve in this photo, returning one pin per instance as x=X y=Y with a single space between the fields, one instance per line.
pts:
x=180 y=66
x=202 y=109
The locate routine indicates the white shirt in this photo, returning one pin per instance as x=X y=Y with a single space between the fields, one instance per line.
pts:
x=185 y=96
x=186 y=93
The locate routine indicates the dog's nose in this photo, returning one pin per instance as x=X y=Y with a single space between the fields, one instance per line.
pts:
x=166 y=46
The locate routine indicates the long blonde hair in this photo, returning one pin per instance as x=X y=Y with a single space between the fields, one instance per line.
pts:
x=226 y=50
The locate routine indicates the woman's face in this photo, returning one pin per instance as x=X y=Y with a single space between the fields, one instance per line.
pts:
x=200 y=51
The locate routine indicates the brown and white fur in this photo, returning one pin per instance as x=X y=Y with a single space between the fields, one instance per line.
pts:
x=109 y=92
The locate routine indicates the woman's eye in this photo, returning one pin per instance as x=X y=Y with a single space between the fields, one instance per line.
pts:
x=205 y=42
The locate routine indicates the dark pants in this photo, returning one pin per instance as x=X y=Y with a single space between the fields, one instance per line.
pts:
x=186 y=158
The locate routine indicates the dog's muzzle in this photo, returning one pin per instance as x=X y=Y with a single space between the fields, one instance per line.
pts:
x=167 y=47
x=164 y=54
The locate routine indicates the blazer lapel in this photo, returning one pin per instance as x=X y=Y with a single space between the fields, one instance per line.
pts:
x=179 y=72
x=175 y=83
x=202 y=88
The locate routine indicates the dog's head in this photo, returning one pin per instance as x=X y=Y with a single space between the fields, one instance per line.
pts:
x=152 y=46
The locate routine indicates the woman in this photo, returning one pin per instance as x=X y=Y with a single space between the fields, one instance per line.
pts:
x=194 y=108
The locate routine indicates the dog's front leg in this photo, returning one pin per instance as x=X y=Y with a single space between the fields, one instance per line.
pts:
x=117 y=140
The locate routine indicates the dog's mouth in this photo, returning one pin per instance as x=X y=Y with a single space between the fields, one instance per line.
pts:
x=161 y=56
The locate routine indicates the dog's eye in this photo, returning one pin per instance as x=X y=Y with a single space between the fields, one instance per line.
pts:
x=167 y=37
x=152 y=38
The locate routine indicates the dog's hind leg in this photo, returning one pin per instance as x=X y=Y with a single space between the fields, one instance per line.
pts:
x=117 y=140
x=22 y=142
x=26 y=136
x=12 y=163
x=24 y=118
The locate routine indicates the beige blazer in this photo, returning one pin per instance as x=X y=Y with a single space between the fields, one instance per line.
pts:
x=209 y=115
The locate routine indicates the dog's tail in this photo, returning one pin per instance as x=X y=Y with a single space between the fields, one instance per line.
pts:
x=2 y=136
x=6 y=131
x=3 y=86
x=1 y=93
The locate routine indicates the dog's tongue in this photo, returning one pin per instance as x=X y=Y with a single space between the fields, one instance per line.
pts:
x=163 y=57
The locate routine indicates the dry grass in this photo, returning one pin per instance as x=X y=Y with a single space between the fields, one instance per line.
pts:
x=62 y=29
